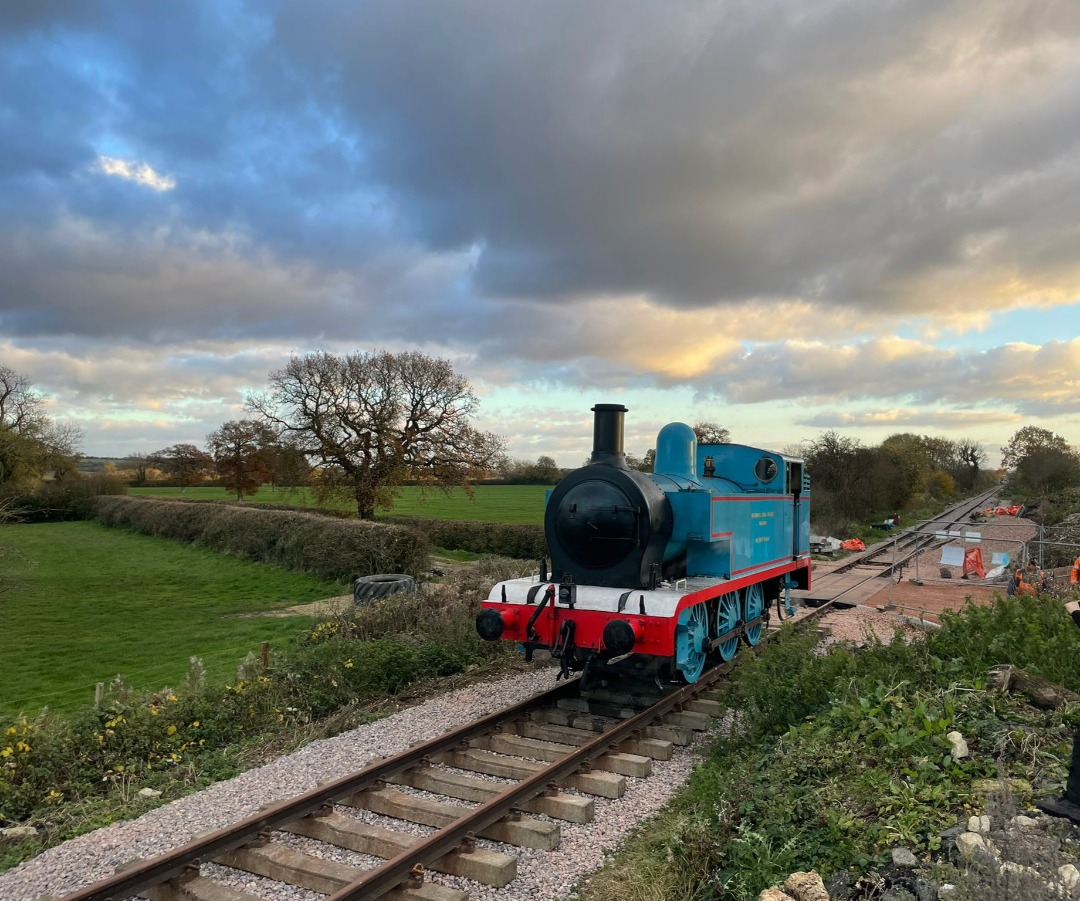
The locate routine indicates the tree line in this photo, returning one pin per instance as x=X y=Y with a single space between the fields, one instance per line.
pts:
x=360 y=425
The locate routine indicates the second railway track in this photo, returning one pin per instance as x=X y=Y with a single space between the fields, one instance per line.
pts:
x=856 y=578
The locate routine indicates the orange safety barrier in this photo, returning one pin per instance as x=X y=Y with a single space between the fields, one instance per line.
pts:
x=973 y=563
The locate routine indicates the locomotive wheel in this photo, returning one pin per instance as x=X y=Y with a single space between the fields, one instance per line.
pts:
x=754 y=605
x=727 y=618
x=370 y=588
x=691 y=642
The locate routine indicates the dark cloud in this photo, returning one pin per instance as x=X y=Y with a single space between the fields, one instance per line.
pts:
x=618 y=194
x=693 y=155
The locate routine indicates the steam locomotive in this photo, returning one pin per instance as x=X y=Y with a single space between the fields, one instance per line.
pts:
x=654 y=573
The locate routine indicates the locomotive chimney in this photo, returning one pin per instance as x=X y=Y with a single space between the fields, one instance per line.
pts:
x=608 y=435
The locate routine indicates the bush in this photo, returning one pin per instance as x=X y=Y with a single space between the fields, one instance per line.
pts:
x=326 y=547
x=834 y=759
x=515 y=540
x=64 y=501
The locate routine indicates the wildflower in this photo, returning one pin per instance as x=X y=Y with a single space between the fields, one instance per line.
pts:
x=172 y=697
x=348 y=664
x=154 y=711
x=22 y=746
x=10 y=731
x=171 y=730
x=195 y=723
x=7 y=752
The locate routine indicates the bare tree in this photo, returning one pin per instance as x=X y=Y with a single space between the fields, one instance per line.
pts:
x=372 y=420
x=61 y=442
x=138 y=465
x=242 y=453
x=289 y=466
x=184 y=462
x=22 y=409
x=970 y=460
x=31 y=444
x=711 y=433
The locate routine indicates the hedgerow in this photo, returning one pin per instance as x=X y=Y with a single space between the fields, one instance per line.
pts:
x=520 y=541
x=62 y=501
x=327 y=547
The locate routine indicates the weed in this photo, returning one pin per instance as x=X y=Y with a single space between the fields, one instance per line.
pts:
x=840 y=757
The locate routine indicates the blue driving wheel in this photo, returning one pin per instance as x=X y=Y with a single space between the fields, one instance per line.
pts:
x=691 y=642
x=753 y=604
x=727 y=618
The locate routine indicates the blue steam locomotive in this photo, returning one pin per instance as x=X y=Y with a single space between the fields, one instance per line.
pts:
x=652 y=573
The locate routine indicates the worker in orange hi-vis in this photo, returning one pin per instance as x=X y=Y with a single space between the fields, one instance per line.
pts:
x=1024 y=587
x=1074 y=576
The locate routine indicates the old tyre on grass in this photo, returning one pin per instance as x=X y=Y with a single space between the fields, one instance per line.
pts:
x=370 y=588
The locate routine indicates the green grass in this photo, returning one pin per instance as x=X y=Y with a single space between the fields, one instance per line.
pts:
x=492 y=503
x=94 y=602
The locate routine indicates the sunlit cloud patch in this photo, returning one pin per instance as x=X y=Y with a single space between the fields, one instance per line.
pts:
x=142 y=173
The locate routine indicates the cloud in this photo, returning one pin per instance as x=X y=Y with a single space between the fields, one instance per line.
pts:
x=764 y=203
x=1030 y=379
x=900 y=419
x=137 y=172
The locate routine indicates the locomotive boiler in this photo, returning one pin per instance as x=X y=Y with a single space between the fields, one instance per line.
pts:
x=654 y=573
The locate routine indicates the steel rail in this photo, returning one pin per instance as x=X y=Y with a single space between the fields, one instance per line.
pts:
x=188 y=857
x=397 y=870
x=376 y=882
x=915 y=537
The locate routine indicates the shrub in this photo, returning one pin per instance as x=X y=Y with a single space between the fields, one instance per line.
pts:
x=67 y=500
x=834 y=759
x=519 y=541
x=327 y=547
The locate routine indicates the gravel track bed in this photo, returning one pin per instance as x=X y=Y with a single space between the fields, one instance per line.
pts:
x=88 y=858
x=541 y=875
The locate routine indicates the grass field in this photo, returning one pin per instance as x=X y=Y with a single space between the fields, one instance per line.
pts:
x=93 y=602
x=492 y=503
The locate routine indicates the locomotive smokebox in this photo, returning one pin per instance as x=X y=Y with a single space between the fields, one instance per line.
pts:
x=608 y=435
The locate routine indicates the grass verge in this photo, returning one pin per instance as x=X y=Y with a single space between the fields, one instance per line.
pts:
x=491 y=503
x=91 y=602
x=68 y=774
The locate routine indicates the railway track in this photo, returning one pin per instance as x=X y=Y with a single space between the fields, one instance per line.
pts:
x=854 y=578
x=562 y=748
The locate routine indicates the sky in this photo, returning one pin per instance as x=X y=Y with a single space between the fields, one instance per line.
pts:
x=782 y=216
